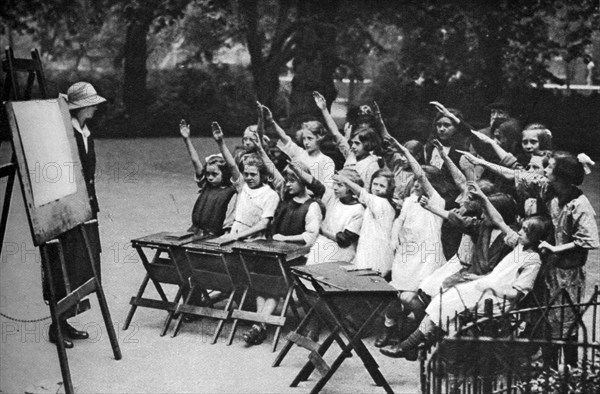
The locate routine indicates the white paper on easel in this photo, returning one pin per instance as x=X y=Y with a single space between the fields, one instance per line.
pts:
x=46 y=148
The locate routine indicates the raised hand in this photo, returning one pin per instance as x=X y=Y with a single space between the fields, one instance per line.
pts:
x=471 y=158
x=339 y=178
x=268 y=115
x=444 y=111
x=347 y=130
x=439 y=146
x=482 y=137
x=217 y=132
x=320 y=101
x=184 y=129
x=424 y=201
x=475 y=190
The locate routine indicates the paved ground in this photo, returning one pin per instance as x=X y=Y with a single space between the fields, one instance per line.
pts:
x=145 y=186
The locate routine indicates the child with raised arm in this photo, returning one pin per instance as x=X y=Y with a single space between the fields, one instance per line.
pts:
x=321 y=166
x=358 y=148
x=373 y=250
x=256 y=201
x=340 y=230
x=416 y=238
x=214 y=209
x=297 y=219
x=508 y=283
x=576 y=232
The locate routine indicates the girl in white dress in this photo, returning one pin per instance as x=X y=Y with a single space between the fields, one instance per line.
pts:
x=341 y=227
x=358 y=148
x=416 y=239
x=509 y=282
x=374 y=250
x=320 y=165
x=256 y=201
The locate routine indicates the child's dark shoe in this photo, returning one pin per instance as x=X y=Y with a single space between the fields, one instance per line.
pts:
x=386 y=336
x=256 y=335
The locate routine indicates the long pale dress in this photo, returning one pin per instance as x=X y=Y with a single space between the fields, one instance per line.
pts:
x=517 y=270
x=416 y=236
x=374 y=249
x=338 y=217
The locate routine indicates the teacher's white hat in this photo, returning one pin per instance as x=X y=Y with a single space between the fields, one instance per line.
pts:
x=83 y=94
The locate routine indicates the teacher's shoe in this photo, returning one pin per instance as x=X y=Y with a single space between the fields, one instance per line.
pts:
x=53 y=337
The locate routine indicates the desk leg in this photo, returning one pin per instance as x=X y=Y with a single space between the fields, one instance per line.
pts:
x=186 y=300
x=235 y=321
x=137 y=298
x=288 y=344
x=222 y=321
x=146 y=266
x=309 y=367
x=171 y=312
x=357 y=345
x=284 y=309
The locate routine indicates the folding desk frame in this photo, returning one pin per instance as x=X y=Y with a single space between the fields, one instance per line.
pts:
x=277 y=256
x=160 y=270
x=329 y=291
x=209 y=268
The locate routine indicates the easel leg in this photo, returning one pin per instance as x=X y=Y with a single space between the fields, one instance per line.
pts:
x=110 y=329
x=309 y=367
x=133 y=308
x=60 y=345
x=172 y=312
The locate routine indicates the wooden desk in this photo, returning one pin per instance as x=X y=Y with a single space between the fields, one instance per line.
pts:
x=160 y=270
x=332 y=284
x=212 y=266
x=267 y=265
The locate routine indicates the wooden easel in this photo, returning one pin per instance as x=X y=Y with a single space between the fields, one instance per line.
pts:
x=57 y=307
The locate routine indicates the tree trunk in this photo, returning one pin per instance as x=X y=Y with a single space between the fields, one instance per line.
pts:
x=135 y=72
x=315 y=60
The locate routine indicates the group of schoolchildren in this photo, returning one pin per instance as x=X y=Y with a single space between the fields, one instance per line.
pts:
x=463 y=216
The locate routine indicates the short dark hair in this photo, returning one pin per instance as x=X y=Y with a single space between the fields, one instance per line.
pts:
x=567 y=168
x=389 y=175
x=222 y=166
x=369 y=138
x=506 y=206
x=538 y=229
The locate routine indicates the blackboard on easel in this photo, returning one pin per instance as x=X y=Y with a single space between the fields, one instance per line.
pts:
x=49 y=166
x=57 y=203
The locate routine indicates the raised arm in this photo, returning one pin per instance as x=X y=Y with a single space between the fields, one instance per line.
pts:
x=329 y=122
x=417 y=170
x=505 y=172
x=424 y=201
x=269 y=121
x=184 y=130
x=312 y=183
x=459 y=178
x=492 y=212
x=218 y=136
x=500 y=152
x=382 y=128
x=356 y=189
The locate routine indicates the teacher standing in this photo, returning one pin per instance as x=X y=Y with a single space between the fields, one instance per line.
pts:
x=83 y=101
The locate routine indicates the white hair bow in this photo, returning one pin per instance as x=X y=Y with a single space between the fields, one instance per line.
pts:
x=586 y=161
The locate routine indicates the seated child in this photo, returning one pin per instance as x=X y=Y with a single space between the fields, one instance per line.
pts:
x=510 y=280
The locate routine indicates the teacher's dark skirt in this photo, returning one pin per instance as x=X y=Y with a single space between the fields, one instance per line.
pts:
x=78 y=266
